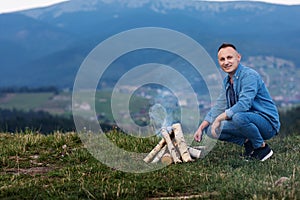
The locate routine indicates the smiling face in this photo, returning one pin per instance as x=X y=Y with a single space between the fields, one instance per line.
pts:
x=229 y=60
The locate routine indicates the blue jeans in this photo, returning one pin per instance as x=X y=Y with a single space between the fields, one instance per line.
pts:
x=245 y=125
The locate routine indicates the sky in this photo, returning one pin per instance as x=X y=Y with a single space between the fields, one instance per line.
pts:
x=7 y=6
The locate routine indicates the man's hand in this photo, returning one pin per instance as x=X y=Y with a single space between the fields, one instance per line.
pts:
x=217 y=124
x=199 y=132
x=198 y=135
x=214 y=127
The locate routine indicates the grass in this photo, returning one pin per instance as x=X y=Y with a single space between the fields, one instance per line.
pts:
x=58 y=166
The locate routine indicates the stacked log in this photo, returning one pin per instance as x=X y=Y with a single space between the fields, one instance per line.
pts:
x=172 y=148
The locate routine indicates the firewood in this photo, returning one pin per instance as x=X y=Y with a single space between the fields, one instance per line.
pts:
x=167 y=159
x=171 y=148
x=155 y=150
x=159 y=155
x=195 y=153
x=200 y=147
x=182 y=146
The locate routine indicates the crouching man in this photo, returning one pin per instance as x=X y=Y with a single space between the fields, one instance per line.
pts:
x=244 y=112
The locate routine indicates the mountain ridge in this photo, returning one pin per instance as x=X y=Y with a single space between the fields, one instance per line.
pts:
x=160 y=6
x=60 y=37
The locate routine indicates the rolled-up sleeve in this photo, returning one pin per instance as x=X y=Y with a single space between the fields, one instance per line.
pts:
x=229 y=113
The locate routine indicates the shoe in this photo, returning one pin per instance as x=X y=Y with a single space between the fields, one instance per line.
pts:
x=262 y=153
x=248 y=149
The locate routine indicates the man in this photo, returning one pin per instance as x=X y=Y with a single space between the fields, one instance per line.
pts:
x=244 y=113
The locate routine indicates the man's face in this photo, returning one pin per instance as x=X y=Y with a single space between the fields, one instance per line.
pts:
x=229 y=60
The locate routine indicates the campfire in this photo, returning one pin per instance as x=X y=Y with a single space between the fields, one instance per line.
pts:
x=172 y=148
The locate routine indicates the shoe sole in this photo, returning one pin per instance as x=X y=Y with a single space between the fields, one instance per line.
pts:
x=267 y=156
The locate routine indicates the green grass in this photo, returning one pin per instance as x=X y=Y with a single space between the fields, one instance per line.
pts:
x=57 y=166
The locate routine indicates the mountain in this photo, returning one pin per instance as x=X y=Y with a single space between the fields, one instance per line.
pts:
x=46 y=46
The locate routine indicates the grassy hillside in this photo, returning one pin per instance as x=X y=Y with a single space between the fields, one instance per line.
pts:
x=57 y=166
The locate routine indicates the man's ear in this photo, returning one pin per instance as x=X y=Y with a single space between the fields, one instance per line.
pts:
x=239 y=57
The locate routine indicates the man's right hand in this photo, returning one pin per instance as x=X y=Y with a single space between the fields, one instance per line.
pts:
x=198 y=135
x=199 y=132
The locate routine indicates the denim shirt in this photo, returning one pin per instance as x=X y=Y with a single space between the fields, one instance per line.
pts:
x=251 y=96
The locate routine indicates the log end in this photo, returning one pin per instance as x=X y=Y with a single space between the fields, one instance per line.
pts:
x=167 y=159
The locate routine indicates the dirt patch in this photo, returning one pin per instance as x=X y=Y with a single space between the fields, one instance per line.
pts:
x=31 y=171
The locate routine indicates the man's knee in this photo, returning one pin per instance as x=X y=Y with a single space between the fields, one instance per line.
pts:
x=240 y=119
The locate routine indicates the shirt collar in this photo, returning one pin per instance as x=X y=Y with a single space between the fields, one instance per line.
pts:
x=236 y=74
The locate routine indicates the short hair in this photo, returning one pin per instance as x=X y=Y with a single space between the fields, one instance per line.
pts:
x=224 y=45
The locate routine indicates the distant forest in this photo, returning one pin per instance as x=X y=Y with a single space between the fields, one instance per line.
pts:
x=26 y=89
x=13 y=121
x=290 y=122
x=17 y=121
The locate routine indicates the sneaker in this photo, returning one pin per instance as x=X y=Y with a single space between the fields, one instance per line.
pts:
x=262 y=153
x=248 y=149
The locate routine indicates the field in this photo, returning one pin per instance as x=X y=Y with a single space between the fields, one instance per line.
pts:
x=58 y=166
x=46 y=101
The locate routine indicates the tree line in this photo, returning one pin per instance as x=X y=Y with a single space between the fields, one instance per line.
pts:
x=13 y=121
x=18 y=121
x=290 y=121
x=26 y=89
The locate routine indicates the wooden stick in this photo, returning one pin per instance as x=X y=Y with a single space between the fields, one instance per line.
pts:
x=182 y=146
x=200 y=147
x=155 y=150
x=171 y=148
x=195 y=153
x=159 y=155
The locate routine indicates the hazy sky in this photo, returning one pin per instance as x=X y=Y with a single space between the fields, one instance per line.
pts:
x=16 y=5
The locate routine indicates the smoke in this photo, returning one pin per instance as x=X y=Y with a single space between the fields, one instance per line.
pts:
x=165 y=111
x=158 y=117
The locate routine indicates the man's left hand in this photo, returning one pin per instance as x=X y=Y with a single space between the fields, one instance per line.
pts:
x=215 y=127
x=217 y=124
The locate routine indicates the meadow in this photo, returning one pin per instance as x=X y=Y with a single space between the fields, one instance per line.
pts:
x=58 y=166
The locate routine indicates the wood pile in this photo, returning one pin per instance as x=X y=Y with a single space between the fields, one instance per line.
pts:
x=172 y=148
